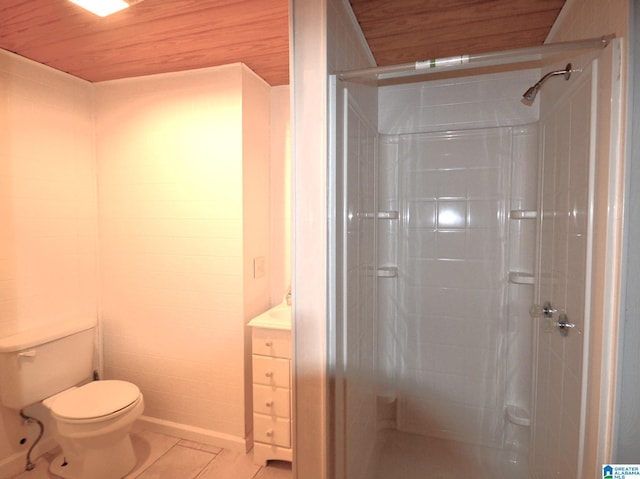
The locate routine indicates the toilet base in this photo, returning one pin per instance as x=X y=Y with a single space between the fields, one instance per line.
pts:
x=111 y=462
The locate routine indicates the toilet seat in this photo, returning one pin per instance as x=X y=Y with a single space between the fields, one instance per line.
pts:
x=95 y=401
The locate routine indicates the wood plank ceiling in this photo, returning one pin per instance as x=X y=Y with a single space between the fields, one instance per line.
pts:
x=155 y=36
x=414 y=30
x=158 y=36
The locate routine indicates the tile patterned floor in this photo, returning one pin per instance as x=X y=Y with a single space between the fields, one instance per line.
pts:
x=399 y=455
x=166 y=457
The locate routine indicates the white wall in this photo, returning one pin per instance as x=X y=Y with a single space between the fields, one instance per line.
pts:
x=280 y=193
x=184 y=210
x=48 y=262
x=184 y=178
x=48 y=196
x=256 y=216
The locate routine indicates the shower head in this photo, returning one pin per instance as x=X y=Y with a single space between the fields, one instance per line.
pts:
x=530 y=95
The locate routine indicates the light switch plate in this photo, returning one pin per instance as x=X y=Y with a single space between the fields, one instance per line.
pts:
x=258 y=267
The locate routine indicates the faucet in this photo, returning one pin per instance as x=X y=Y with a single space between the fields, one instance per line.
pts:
x=287 y=297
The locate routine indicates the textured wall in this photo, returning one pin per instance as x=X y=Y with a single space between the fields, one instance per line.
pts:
x=184 y=178
x=173 y=260
x=48 y=262
x=280 y=193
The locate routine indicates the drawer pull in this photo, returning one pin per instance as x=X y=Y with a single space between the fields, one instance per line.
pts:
x=269 y=374
x=269 y=403
x=269 y=433
x=268 y=343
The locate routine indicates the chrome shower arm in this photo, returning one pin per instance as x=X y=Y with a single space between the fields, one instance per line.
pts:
x=566 y=72
x=531 y=93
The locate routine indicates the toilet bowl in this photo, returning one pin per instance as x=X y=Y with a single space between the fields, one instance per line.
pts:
x=92 y=424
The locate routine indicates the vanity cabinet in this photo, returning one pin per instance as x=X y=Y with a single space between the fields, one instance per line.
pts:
x=271 y=362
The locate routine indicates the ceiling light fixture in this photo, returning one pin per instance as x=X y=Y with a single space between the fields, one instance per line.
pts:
x=103 y=8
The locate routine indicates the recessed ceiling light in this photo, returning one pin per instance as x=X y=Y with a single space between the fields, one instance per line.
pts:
x=103 y=8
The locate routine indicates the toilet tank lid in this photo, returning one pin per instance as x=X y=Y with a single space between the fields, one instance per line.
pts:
x=44 y=334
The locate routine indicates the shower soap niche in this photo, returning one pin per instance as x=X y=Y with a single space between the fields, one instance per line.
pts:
x=387 y=272
x=516 y=277
x=523 y=214
x=380 y=215
x=387 y=215
x=517 y=415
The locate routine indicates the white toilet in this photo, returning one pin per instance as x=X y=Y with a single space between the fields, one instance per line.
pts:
x=92 y=419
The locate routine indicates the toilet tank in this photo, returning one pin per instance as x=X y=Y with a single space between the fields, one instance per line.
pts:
x=41 y=362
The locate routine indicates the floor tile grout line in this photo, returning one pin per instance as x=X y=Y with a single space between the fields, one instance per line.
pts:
x=204 y=468
x=177 y=444
x=186 y=445
x=142 y=471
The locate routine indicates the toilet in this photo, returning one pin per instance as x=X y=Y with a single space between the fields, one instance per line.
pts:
x=91 y=419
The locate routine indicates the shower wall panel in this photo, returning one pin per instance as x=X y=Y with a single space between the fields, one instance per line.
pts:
x=451 y=288
x=565 y=275
x=479 y=101
x=522 y=253
x=447 y=148
x=387 y=254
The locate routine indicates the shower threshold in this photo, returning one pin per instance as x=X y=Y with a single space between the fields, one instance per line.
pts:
x=412 y=456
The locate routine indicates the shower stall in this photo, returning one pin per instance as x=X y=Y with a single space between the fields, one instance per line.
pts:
x=463 y=233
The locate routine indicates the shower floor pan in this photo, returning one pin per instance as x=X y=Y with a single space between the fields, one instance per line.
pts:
x=411 y=456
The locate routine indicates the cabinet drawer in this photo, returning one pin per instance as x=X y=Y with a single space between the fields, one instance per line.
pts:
x=271 y=371
x=271 y=401
x=270 y=430
x=271 y=342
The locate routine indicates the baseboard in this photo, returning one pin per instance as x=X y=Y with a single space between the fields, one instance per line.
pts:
x=196 y=434
x=15 y=464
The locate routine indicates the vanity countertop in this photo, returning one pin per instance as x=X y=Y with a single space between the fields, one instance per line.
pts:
x=278 y=317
